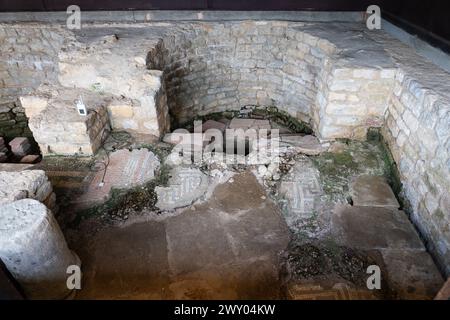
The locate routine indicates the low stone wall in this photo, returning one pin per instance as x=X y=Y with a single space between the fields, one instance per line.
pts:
x=417 y=131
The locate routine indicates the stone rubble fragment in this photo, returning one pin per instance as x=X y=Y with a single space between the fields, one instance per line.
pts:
x=372 y=191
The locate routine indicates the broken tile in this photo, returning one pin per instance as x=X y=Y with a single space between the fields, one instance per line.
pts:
x=183 y=138
x=20 y=146
x=306 y=144
x=185 y=186
x=374 y=228
x=372 y=191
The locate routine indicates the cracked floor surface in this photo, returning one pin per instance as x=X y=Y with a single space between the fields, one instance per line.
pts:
x=225 y=248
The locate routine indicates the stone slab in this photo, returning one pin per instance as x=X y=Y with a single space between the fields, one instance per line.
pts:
x=199 y=235
x=300 y=193
x=374 y=228
x=372 y=191
x=412 y=274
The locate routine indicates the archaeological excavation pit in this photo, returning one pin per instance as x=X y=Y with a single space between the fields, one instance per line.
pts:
x=287 y=157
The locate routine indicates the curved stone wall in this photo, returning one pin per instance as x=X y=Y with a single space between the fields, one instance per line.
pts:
x=224 y=66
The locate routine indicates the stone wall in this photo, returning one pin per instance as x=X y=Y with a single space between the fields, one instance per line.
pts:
x=116 y=66
x=417 y=131
x=57 y=126
x=28 y=57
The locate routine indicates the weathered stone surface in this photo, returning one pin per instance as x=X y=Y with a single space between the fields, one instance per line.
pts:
x=32 y=184
x=300 y=192
x=235 y=244
x=374 y=228
x=372 y=191
x=412 y=274
x=34 y=250
x=141 y=273
x=185 y=186
x=126 y=169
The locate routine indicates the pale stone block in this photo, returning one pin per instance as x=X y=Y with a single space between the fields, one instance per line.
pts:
x=365 y=73
x=120 y=111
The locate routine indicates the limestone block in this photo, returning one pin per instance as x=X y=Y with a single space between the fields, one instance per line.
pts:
x=18 y=185
x=59 y=129
x=305 y=144
x=34 y=250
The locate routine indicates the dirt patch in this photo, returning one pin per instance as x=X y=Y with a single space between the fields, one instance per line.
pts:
x=328 y=264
